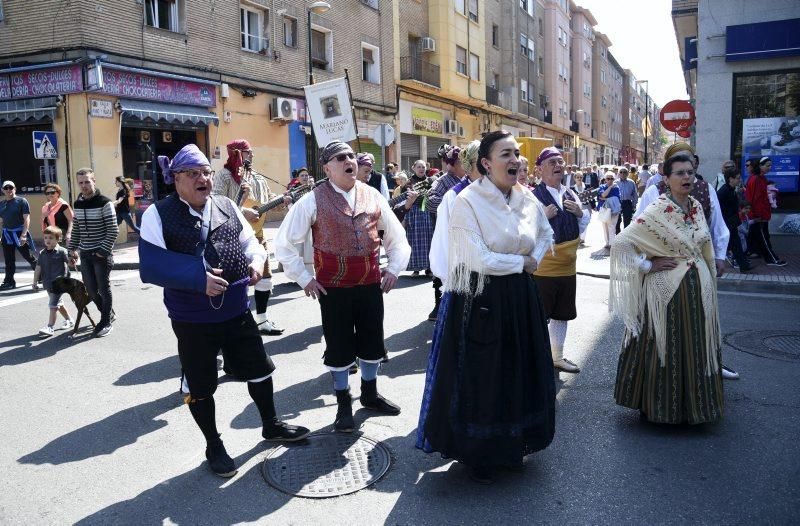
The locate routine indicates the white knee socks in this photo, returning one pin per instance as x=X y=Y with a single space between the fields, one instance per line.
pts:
x=558 y=333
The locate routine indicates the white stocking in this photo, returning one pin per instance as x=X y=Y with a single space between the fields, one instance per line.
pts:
x=558 y=333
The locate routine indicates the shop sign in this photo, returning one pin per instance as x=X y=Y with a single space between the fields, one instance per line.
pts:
x=779 y=139
x=150 y=87
x=427 y=122
x=42 y=82
x=329 y=107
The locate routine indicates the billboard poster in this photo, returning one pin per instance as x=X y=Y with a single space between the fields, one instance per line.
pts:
x=779 y=139
x=427 y=122
x=328 y=105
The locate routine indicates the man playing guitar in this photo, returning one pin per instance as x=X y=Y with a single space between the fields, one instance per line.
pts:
x=249 y=189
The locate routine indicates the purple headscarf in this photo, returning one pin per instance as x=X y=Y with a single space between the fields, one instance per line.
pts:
x=449 y=154
x=189 y=156
x=550 y=151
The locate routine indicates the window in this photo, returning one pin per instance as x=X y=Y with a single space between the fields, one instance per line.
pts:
x=474 y=66
x=587 y=89
x=603 y=51
x=473 y=10
x=562 y=37
x=495 y=81
x=541 y=27
x=603 y=101
x=543 y=101
x=253 y=26
x=461 y=60
x=531 y=51
x=289 y=32
x=541 y=66
x=602 y=75
x=461 y=6
x=164 y=14
x=562 y=72
x=587 y=62
x=563 y=110
x=527 y=6
x=321 y=49
x=523 y=44
x=370 y=63
x=523 y=89
x=587 y=119
x=604 y=127
x=495 y=35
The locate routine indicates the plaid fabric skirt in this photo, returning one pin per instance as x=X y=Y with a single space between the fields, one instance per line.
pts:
x=680 y=391
x=419 y=232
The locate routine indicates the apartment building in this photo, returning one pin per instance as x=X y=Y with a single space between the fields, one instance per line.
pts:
x=602 y=82
x=582 y=22
x=618 y=107
x=557 y=64
x=123 y=82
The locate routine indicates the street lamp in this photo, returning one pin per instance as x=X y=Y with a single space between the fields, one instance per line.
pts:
x=646 y=115
x=317 y=8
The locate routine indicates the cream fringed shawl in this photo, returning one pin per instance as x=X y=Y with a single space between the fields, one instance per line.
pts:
x=487 y=230
x=663 y=230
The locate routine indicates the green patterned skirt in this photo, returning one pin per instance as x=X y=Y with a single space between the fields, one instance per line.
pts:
x=680 y=391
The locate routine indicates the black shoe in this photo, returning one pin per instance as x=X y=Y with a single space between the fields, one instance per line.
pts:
x=344 y=413
x=8 y=285
x=353 y=369
x=219 y=461
x=481 y=475
x=777 y=263
x=278 y=431
x=434 y=313
x=370 y=399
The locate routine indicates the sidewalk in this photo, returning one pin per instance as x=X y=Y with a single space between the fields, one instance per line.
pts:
x=780 y=280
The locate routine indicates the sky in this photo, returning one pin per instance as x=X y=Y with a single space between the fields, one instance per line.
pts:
x=643 y=40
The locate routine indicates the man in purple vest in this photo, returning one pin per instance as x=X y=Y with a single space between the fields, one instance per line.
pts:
x=200 y=248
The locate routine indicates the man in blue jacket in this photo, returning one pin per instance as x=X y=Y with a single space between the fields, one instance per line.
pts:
x=200 y=248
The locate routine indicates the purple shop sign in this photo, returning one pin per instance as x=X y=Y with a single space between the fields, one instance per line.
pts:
x=149 y=87
x=42 y=82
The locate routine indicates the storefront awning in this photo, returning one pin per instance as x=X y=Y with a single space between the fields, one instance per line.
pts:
x=28 y=110
x=159 y=111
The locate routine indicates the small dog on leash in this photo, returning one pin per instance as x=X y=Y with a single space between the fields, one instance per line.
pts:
x=80 y=296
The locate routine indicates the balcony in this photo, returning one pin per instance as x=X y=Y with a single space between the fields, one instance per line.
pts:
x=412 y=68
x=492 y=95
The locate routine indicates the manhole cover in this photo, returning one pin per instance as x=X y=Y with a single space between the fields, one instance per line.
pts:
x=778 y=345
x=327 y=465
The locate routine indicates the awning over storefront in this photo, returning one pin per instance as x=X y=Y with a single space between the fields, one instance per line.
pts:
x=159 y=111
x=28 y=110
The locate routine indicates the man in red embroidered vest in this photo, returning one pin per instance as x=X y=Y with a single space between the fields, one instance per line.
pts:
x=344 y=216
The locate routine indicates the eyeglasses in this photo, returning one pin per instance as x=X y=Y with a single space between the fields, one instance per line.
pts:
x=342 y=156
x=683 y=173
x=194 y=174
x=8 y=187
x=556 y=162
x=51 y=192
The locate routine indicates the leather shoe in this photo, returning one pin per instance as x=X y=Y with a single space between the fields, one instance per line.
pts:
x=279 y=431
x=566 y=366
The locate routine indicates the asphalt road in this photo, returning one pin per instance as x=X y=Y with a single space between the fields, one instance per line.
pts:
x=94 y=431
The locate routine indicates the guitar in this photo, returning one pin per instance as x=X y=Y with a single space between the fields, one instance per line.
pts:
x=295 y=193
x=587 y=196
x=422 y=188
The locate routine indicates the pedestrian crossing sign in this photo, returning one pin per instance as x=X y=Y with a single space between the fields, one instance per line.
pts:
x=45 y=145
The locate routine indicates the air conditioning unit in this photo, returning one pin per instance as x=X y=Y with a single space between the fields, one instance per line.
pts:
x=428 y=44
x=283 y=109
x=451 y=127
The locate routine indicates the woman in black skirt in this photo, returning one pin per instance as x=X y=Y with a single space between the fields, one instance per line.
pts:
x=494 y=393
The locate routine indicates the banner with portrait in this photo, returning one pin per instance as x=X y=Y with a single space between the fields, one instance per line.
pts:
x=328 y=106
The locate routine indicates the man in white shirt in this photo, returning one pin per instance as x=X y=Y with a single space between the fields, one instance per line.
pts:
x=345 y=216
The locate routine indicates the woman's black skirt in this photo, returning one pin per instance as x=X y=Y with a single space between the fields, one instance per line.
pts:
x=494 y=392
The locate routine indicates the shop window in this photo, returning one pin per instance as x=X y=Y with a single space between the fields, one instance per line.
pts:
x=289 y=32
x=254 y=23
x=370 y=63
x=474 y=66
x=28 y=173
x=321 y=48
x=164 y=14
x=461 y=60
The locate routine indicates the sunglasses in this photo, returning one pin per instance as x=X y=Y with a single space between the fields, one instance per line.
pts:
x=342 y=156
x=51 y=192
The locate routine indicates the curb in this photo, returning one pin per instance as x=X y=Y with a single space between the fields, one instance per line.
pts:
x=739 y=285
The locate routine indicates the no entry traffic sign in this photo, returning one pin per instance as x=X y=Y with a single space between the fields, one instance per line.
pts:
x=677 y=115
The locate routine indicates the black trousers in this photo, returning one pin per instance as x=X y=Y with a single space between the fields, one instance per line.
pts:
x=735 y=246
x=238 y=340
x=760 y=242
x=352 y=322
x=10 y=257
x=626 y=215
x=96 y=274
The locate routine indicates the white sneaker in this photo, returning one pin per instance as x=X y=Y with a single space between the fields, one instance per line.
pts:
x=103 y=332
x=729 y=374
x=67 y=324
x=46 y=331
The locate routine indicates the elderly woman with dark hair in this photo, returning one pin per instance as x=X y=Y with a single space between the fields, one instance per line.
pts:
x=663 y=287
x=493 y=395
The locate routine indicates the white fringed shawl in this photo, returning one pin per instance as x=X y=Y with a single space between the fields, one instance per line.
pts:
x=484 y=226
x=663 y=231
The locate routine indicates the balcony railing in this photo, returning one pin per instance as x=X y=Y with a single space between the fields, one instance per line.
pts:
x=412 y=68
x=492 y=95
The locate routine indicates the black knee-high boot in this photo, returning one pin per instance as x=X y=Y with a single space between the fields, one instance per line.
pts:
x=273 y=429
x=437 y=296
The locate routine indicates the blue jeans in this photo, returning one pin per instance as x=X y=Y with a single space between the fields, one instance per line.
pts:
x=96 y=273
x=126 y=216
